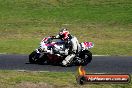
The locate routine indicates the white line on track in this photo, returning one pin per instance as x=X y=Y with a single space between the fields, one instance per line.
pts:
x=100 y=55
x=30 y=70
x=3 y=53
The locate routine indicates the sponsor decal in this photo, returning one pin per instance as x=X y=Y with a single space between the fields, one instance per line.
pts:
x=83 y=78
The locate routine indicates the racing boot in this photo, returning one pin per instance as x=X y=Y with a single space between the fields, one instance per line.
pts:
x=68 y=60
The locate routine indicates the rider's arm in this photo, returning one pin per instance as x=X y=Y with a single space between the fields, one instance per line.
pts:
x=75 y=43
x=57 y=36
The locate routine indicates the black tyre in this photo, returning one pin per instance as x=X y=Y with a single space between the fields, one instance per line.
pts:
x=81 y=80
x=86 y=57
x=33 y=57
x=42 y=59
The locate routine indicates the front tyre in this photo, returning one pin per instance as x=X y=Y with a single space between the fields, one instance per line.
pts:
x=33 y=57
x=42 y=59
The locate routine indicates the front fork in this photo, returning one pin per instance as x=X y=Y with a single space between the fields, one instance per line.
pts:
x=39 y=53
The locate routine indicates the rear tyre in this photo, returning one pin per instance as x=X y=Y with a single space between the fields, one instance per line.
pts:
x=86 y=57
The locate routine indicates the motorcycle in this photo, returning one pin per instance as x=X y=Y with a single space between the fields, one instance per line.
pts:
x=53 y=51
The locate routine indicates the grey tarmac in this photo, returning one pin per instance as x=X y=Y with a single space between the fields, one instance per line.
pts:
x=99 y=64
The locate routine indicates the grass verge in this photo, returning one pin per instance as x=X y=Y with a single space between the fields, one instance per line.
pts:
x=31 y=79
x=107 y=23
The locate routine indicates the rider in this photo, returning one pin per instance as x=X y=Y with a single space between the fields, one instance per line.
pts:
x=71 y=44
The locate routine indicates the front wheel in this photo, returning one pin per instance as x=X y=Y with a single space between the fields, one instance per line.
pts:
x=86 y=57
x=33 y=57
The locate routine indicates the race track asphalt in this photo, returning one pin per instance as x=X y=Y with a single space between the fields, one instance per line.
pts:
x=99 y=64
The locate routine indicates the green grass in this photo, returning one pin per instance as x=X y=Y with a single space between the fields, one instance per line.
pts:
x=109 y=11
x=107 y=23
x=15 y=79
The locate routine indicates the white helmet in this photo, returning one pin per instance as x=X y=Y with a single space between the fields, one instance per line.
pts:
x=64 y=33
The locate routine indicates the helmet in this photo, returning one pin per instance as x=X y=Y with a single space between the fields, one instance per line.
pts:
x=64 y=33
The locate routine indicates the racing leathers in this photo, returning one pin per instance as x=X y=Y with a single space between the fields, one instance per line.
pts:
x=72 y=45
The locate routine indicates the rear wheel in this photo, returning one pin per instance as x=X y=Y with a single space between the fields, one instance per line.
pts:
x=86 y=57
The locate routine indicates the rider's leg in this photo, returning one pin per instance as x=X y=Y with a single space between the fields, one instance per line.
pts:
x=68 y=59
